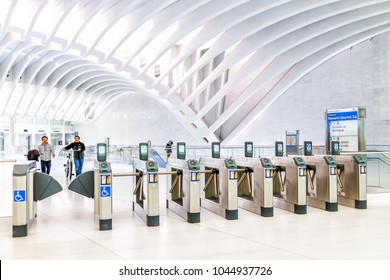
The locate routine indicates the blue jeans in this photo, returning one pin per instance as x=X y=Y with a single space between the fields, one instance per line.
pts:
x=45 y=166
x=78 y=165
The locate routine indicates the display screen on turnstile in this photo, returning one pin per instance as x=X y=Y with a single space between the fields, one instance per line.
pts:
x=335 y=148
x=101 y=152
x=181 y=150
x=143 y=151
x=279 y=148
x=215 y=150
x=308 y=148
x=248 y=149
x=193 y=164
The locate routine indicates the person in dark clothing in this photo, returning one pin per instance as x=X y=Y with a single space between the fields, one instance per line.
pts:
x=78 y=154
x=168 y=148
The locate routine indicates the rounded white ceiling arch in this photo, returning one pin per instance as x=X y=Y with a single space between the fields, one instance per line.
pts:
x=217 y=54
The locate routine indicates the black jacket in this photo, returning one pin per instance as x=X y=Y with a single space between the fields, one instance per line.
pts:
x=76 y=147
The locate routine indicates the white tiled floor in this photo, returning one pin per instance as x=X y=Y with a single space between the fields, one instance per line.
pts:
x=65 y=229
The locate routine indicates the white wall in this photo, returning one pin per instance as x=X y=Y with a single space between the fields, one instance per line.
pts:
x=132 y=119
x=359 y=77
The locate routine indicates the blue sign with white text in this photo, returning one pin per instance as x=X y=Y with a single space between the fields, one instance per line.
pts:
x=342 y=116
x=105 y=191
x=19 y=196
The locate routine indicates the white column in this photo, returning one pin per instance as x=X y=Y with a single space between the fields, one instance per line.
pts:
x=12 y=134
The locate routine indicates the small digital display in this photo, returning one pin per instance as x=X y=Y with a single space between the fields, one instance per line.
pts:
x=102 y=150
x=144 y=150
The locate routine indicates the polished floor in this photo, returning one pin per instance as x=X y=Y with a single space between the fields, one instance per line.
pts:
x=65 y=229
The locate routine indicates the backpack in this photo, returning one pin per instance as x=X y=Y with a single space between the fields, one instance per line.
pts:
x=33 y=155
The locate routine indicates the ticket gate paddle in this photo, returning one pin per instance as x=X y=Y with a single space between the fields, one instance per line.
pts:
x=255 y=185
x=29 y=187
x=352 y=181
x=219 y=194
x=290 y=184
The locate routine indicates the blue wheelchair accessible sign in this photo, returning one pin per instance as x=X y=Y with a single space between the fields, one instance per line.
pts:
x=105 y=191
x=19 y=196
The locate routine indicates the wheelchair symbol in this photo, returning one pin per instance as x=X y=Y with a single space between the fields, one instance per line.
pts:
x=19 y=197
x=104 y=192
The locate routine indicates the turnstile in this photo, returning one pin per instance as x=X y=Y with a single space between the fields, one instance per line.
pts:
x=146 y=203
x=255 y=185
x=352 y=181
x=29 y=187
x=322 y=182
x=219 y=194
x=290 y=184
x=97 y=184
x=183 y=188
x=103 y=194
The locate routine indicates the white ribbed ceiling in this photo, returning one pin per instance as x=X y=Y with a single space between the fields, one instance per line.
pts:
x=215 y=64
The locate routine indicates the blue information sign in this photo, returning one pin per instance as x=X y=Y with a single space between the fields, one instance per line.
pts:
x=105 y=191
x=19 y=195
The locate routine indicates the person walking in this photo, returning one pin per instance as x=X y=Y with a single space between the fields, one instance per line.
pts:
x=168 y=148
x=78 y=154
x=46 y=152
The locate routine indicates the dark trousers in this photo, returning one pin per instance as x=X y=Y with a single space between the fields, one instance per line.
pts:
x=45 y=166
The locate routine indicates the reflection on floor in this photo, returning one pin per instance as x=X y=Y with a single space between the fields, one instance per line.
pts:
x=65 y=229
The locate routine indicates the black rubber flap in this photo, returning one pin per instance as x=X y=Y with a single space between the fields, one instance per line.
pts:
x=45 y=186
x=83 y=184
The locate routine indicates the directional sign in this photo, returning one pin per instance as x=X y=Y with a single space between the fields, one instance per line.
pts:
x=343 y=126
x=19 y=195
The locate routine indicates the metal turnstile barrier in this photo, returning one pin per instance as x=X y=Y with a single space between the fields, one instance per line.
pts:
x=352 y=181
x=322 y=182
x=103 y=194
x=97 y=184
x=255 y=185
x=183 y=188
x=29 y=187
x=219 y=194
x=289 y=184
x=146 y=202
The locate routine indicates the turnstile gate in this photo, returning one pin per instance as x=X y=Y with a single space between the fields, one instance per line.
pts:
x=290 y=184
x=352 y=181
x=146 y=202
x=255 y=185
x=219 y=194
x=29 y=187
x=322 y=182
x=97 y=184
x=183 y=188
